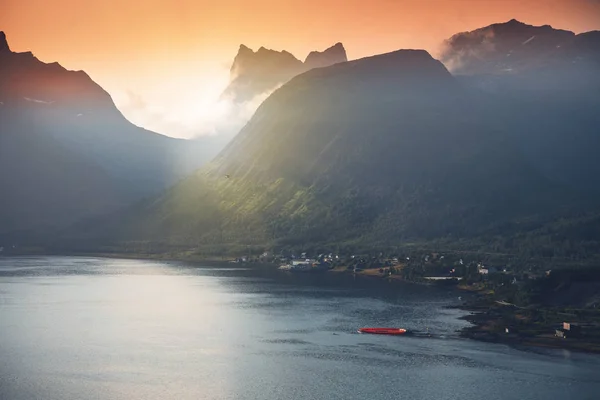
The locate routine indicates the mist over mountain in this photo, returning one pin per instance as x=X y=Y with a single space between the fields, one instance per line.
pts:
x=546 y=84
x=503 y=48
x=256 y=73
x=67 y=152
x=377 y=151
x=393 y=149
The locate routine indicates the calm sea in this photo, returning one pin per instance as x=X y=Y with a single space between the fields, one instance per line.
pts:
x=93 y=328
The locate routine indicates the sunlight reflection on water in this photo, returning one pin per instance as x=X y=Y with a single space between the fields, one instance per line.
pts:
x=129 y=329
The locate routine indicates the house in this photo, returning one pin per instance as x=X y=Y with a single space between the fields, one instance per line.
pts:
x=486 y=270
x=568 y=330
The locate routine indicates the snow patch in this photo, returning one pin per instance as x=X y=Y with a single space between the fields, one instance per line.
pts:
x=38 y=101
x=529 y=40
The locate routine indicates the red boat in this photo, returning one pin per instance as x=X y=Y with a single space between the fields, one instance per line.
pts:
x=383 y=331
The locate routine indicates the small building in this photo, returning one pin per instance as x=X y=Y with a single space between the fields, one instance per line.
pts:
x=568 y=330
x=573 y=329
x=486 y=270
x=511 y=330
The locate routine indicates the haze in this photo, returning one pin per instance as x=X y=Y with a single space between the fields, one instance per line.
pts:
x=166 y=62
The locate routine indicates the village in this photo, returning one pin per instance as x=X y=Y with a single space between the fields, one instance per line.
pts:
x=510 y=301
x=413 y=267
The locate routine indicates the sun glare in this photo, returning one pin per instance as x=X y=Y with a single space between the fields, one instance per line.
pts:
x=183 y=107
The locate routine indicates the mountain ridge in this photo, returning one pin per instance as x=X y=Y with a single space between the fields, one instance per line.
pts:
x=53 y=118
x=256 y=73
x=4 y=47
x=502 y=47
x=417 y=156
x=393 y=149
x=329 y=56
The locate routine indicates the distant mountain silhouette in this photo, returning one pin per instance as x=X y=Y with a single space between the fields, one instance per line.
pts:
x=256 y=73
x=4 y=48
x=67 y=152
x=394 y=149
x=370 y=152
x=333 y=55
x=546 y=83
x=504 y=48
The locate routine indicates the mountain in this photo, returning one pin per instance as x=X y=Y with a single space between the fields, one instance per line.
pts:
x=66 y=152
x=503 y=48
x=256 y=73
x=333 y=55
x=514 y=57
x=542 y=78
x=377 y=151
x=4 y=48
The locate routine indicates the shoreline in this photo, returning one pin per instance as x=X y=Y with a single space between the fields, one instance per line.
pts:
x=488 y=319
x=125 y=256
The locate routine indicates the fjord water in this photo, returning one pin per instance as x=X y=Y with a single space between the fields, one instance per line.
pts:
x=92 y=328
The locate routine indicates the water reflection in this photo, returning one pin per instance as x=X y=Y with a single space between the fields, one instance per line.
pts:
x=123 y=329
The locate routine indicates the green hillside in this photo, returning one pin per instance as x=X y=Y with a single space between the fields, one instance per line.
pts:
x=377 y=152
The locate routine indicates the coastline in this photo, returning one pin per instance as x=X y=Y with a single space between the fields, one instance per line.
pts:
x=489 y=319
x=126 y=256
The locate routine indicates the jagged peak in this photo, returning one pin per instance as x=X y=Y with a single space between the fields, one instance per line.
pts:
x=336 y=47
x=245 y=49
x=251 y=62
x=263 y=50
x=332 y=55
x=4 y=48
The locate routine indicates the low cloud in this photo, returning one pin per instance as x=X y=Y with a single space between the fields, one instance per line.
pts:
x=218 y=117
x=477 y=46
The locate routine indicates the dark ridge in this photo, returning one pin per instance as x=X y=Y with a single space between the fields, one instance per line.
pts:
x=4 y=48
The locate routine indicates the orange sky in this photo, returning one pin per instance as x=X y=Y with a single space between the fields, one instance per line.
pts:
x=165 y=61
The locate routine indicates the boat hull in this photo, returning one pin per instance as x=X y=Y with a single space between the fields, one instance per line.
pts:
x=383 y=331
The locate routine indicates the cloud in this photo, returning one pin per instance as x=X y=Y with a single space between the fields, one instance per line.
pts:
x=189 y=119
x=454 y=54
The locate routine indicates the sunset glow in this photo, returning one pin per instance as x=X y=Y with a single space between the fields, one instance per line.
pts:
x=166 y=62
